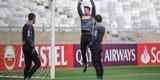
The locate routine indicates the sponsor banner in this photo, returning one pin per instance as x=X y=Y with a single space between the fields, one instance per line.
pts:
x=11 y=56
x=112 y=54
x=119 y=54
x=1 y=57
x=64 y=55
x=148 y=54
x=78 y=57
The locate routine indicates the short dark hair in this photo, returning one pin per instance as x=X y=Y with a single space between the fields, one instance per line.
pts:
x=98 y=18
x=31 y=16
x=87 y=7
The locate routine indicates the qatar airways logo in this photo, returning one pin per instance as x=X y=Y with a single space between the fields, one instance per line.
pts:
x=78 y=56
x=118 y=55
x=115 y=56
x=150 y=56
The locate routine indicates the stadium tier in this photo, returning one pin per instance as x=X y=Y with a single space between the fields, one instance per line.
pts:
x=13 y=16
x=125 y=20
x=14 y=12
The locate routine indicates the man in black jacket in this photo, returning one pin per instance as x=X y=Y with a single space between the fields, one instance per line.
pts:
x=30 y=54
x=87 y=25
x=96 y=47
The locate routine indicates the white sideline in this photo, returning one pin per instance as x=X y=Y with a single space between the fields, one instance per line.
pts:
x=19 y=77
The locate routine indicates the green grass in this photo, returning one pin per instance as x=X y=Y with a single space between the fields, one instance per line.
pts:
x=112 y=73
x=41 y=74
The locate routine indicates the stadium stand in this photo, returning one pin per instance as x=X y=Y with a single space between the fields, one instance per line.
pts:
x=122 y=18
x=14 y=16
x=14 y=12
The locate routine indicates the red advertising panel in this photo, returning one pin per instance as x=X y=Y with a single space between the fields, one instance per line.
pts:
x=11 y=56
x=1 y=57
x=148 y=54
x=64 y=55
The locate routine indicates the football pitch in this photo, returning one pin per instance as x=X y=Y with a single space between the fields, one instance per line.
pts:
x=112 y=73
x=41 y=74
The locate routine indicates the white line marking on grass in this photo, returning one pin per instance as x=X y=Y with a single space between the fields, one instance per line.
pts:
x=77 y=77
x=19 y=77
x=109 y=77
